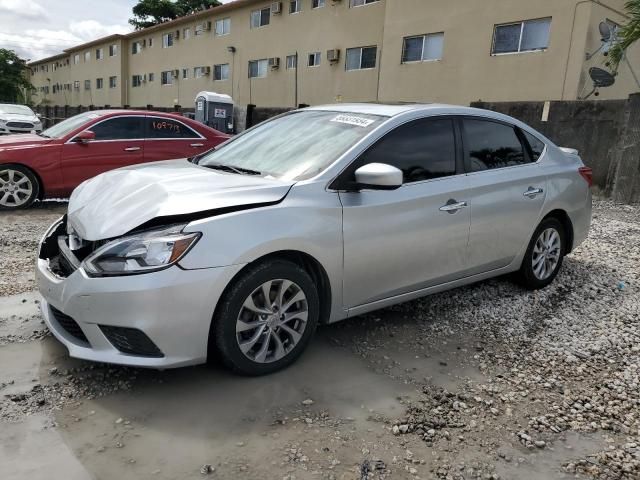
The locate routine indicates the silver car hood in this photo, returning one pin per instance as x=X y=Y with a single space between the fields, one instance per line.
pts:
x=118 y=201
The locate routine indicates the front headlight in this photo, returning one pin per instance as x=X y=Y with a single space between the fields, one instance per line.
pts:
x=146 y=252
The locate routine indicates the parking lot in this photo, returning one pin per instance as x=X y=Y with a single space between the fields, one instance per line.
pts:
x=487 y=381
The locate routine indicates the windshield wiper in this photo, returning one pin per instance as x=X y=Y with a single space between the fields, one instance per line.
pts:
x=232 y=169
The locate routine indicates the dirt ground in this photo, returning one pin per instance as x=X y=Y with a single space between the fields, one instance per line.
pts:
x=483 y=382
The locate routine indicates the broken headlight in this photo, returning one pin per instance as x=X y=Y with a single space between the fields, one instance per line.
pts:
x=145 y=252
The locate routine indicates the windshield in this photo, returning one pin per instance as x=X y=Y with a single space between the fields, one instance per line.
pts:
x=16 y=109
x=70 y=124
x=296 y=146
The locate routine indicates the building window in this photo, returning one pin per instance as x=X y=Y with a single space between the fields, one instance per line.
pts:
x=423 y=48
x=99 y=83
x=185 y=73
x=526 y=36
x=258 y=68
x=361 y=58
x=317 y=3
x=151 y=77
x=136 y=47
x=186 y=33
x=260 y=18
x=202 y=27
x=295 y=6
x=166 y=78
x=150 y=42
x=113 y=82
x=314 y=59
x=99 y=53
x=76 y=85
x=113 y=50
x=87 y=84
x=87 y=56
x=223 y=26
x=292 y=61
x=360 y=3
x=136 y=80
x=167 y=40
x=199 y=72
x=221 y=72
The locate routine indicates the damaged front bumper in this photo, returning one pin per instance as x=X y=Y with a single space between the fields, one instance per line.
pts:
x=159 y=319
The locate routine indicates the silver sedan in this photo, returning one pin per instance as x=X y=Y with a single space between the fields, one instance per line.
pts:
x=312 y=217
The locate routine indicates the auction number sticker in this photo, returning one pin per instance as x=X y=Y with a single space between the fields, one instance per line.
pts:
x=353 y=120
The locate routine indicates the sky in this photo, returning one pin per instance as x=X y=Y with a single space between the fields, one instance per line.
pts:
x=37 y=29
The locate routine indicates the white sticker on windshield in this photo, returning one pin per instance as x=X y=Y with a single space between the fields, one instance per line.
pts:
x=353 y=120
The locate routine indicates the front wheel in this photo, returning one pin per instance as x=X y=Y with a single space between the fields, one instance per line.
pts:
x=543 y=258
x=266 y=318
x=18 y=187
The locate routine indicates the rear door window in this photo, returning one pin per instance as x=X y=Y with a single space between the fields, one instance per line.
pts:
x=119 y=128
x=167 y=128
x=490 y=145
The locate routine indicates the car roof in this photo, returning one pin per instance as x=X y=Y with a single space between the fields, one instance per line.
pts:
x=124 y=111
x=392 y=110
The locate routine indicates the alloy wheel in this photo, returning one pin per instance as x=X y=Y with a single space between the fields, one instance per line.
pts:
x=272 y=321
x=15 y=188
x=546 y=253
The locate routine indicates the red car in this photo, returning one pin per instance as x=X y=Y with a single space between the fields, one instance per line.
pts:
x=54 y=162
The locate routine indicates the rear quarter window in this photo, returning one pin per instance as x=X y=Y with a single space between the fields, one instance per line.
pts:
x=537 y=145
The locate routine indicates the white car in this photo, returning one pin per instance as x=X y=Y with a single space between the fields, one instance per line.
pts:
x=312 y=217
x=18 y=119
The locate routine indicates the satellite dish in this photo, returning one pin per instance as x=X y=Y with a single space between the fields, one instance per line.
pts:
x=601 y=78
x=606 y=31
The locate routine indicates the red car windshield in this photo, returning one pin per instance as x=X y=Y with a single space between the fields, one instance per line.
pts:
x=67 y=126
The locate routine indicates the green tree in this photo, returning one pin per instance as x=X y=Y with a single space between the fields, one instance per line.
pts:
x=628 y=34
x=13 y=77
x=147 y=13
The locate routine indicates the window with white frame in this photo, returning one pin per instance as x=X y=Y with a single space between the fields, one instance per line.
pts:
x=87 y=84
x=99 y=83
x=113 y=82
x=223 y=26
x=186 y=33
x=221 y=72
x=314 y=59
x=76 y=84
x=113 y=50
x=166 y=77
x=199 y=72
x=99 y=53
x=136 y=47
x=136 y=80
x=185 y=73
x=526 y=36
x=295 y=6
x=361 y=58
x=359 y=3
x=317 y=3
x=87 y=56
x=260 y=18
x=167 y=40
x=423 y=48
x=292 y=61
x=258 y=68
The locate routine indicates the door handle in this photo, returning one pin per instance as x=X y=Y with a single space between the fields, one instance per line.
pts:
x=452 y=206
x=533 y=192
x=196 y=145
x=132 y=149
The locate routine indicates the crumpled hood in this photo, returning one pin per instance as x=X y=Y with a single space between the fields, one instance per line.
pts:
x=118 y=201
x=22 y=140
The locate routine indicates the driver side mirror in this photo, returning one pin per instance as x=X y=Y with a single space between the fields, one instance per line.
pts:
x=84 y=137
x=378 y=176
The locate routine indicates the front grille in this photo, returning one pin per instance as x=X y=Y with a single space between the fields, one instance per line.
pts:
x=69 y=325
x=131 y=341
x=19 y=125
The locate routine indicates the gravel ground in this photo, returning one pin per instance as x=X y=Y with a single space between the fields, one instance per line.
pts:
x=487 y=381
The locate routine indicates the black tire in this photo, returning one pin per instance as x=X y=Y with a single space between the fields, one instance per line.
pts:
x=33 y=181
x=223 y=342
x=526 y=275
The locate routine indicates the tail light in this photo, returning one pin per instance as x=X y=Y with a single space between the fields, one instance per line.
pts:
x=587 y=174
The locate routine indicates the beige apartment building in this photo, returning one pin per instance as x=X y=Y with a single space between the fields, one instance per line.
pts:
x=288 y=53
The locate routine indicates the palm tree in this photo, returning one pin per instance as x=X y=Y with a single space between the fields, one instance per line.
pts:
x=627 y=34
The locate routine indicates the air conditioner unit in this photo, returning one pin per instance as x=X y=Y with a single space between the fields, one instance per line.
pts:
x=144 y=78
x=276 y=8
x=206 y=26
x=333 y=55
x=144 y=43
x=274 y=62
x=177 y=35
x=175 y=73
x=206 y=70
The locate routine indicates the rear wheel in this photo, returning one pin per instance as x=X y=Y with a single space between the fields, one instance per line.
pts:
x=544 y=255
x=19 y=187
x=266 y=318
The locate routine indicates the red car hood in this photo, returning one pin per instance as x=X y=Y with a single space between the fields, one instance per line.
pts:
x=22 y=140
